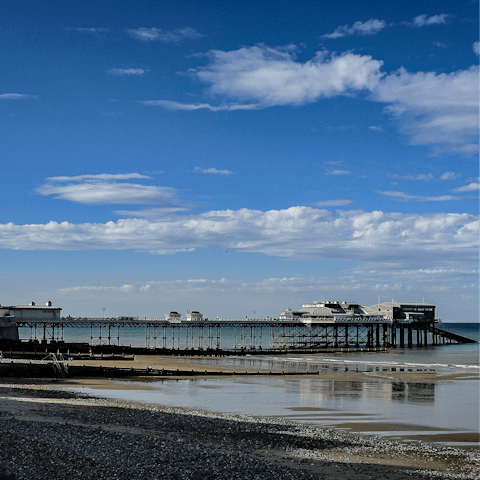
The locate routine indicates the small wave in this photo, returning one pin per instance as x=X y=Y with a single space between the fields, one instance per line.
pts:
x=379 y=362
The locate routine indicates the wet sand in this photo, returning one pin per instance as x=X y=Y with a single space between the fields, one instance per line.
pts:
x=200 y=364
x=256 y=447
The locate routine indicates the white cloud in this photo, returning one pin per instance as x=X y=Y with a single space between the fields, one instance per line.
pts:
x=434 y=109
x=15 y=96
x=91 y=31
x=440 y=45
x=439 y=109
x=101 y=193
x=426 y=177
x=333 y=203
x=100 y=176
x=475 y=48
x=449 y=176
x=471 y=187
x=425 y=20
x=447 y=288
x=212 y=170
x=272 y=76
x=370 y=27
x=405 y=197
x=337 y=172
x=150 y=213
x=152 y=34
x=408 y=240
x=127 y=71
x=105 y=189
x=375 y=128
x=171 y=105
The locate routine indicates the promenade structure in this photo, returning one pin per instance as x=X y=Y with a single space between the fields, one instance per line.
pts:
x=314 y=326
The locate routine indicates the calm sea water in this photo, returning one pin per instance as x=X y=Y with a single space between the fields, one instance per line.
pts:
x=446 y=405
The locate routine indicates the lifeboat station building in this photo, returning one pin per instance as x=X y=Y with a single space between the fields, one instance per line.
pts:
x=407 y=312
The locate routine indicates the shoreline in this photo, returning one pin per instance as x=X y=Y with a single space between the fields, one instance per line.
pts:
x=125 y=437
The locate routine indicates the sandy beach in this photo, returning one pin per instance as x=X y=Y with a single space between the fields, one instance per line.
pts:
x=48 y=432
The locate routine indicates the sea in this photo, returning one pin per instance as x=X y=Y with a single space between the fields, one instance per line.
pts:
x=439 y=406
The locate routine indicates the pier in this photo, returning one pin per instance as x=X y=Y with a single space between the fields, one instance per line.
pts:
x=249 y=335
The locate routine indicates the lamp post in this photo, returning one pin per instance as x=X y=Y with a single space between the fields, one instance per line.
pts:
x=103 y=310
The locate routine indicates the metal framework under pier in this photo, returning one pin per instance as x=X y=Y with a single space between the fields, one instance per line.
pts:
x=248 y=335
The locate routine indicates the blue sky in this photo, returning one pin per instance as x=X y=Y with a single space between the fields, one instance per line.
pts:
x=238 y=156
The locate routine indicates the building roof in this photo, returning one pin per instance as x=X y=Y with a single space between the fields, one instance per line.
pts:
x=29 y=307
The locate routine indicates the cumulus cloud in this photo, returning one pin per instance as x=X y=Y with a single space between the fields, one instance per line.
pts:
x=370 y=27
x=156 y=34
x=15 y=96
x=439 y=109
x=425 y=20
x=405 y=197
x=212 y=170
x=471 y=187
x=411 y=240
x=272 y=76
x=126 y=71
x=449 y=176
x=476 y=48
x=106 y=189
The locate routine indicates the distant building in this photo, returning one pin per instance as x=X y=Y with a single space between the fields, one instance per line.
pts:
x=173 y=316
x=331 y=311
x=35 y=312
x=10 y=315
x=194 y=316
x=407 y=311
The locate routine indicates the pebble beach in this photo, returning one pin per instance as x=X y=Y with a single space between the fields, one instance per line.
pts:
x=49 y=433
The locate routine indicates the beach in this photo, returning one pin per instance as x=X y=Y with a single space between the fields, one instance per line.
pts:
x=49 y=431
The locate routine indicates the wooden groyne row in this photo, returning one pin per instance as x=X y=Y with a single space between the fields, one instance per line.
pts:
x=53 y=367
x=40 y=354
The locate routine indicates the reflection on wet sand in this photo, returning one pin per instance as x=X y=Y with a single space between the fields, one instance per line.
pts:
x=394 y=391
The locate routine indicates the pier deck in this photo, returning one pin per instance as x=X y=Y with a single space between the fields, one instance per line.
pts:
x=252 y=335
